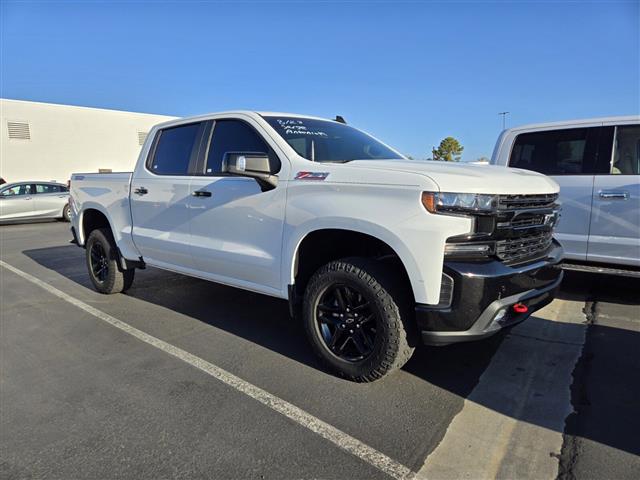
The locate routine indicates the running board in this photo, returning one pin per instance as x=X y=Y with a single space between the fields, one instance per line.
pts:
x=623 y=272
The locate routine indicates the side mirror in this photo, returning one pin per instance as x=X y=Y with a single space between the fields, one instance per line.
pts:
x=254 y=165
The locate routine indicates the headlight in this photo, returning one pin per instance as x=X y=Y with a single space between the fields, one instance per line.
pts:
x=446 y=202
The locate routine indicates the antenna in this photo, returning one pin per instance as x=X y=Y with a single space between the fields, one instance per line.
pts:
x=339 y=119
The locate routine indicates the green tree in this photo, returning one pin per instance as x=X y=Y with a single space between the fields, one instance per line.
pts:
x=449 y=150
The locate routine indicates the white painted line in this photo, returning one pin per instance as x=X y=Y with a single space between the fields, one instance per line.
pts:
x=328 y=432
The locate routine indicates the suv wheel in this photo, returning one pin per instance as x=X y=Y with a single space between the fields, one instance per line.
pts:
x=102 y=264
x=354 y=323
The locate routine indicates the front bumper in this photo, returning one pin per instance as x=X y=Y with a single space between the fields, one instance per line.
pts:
x=483 y=296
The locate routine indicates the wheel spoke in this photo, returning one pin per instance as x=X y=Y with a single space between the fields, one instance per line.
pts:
x=348 y=296
x=330 y=320
x=342 y=302
x=328 y=308
x=366 y=319
x=359 y=343
x=361 y=307
x=337 y=334
x=367 y=341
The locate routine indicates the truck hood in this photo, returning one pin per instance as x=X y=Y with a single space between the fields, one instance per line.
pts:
x=469 y=178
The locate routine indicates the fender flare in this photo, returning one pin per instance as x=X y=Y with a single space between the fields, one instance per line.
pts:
x=295 y=239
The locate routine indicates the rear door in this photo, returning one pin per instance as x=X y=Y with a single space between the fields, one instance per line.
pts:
x=569 y=156
x=49 y=200
x=160 y=196
x=16 y=202
x=615 y=222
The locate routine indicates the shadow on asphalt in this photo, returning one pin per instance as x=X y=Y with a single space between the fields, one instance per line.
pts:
x=456 y=368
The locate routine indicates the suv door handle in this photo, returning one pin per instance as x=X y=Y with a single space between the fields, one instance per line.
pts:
x=614 y=194
x=201 y=193
x=141 y=191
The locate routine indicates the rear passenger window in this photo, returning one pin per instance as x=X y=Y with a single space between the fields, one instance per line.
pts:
x=46 y=188
x=626 y=151
x=235 y=136
x=557 y=152
x=174 y=149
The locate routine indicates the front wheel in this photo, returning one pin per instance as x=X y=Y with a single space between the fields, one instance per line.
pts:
x=355 y=325
x=102 y=263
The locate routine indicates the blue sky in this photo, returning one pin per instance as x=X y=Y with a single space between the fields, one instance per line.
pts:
x=411 y=73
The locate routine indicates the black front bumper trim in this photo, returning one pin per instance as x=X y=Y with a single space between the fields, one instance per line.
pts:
x=482 y=290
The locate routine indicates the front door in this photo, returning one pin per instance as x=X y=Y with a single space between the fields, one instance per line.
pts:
x=615 y=221
x=569 y=156
x=236 y=227
x=16 y=202
x=160 y=193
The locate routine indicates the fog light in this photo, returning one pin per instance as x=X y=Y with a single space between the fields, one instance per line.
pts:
x=466 y=249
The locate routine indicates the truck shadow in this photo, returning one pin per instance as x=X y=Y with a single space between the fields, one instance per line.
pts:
x=265 y=321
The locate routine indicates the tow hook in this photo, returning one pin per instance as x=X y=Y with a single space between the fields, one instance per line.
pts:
x=520 y=308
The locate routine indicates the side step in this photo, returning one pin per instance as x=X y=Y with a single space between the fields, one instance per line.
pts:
x=623 y=272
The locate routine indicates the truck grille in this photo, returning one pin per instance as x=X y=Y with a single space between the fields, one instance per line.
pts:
x=529 y=246
x=519 y=230
x=519 y=202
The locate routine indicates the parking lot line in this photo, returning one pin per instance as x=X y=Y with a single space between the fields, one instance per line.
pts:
x=339 y=438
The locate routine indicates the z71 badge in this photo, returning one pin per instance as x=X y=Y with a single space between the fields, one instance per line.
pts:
x=311 y=175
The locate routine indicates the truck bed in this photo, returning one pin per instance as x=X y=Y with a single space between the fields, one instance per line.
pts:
x=107 y=193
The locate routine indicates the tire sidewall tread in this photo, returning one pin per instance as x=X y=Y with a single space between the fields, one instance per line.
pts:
x=117 y=280
x=379 y=282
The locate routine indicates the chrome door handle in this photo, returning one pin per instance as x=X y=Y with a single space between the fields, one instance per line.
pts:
x=141 y=191
x=614 y=194
x=201 y=193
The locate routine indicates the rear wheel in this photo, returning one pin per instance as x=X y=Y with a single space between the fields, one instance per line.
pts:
x=66 y=213
x=353 y=321
x=102 y=263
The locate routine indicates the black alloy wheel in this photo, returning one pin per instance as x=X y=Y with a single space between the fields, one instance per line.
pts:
x=347 y=322
x=99 y=262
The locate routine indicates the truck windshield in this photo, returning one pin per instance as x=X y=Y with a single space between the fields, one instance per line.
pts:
x=325 y=141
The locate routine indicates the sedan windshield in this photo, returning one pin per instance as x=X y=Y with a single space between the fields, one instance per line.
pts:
x=326 y=141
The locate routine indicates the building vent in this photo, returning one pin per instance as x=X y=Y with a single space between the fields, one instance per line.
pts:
x=19 y=130
x=142 y=136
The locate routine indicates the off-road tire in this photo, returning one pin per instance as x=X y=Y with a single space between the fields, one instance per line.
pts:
x=395 y=330
x=116 y=280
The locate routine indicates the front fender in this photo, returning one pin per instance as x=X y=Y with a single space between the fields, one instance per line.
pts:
x=418 y=243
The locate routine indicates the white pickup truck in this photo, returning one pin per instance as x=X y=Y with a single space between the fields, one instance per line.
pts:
x=374 y=252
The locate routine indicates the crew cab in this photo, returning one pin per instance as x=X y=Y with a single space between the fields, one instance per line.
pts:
x=596 y=162
x=374 y=252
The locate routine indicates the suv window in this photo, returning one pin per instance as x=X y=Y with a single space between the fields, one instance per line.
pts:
x=47 y=188
x=235 y=136
x=626 y=151
x=173 y=150
x=556 y=152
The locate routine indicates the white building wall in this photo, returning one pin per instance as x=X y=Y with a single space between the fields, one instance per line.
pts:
x=65 y=139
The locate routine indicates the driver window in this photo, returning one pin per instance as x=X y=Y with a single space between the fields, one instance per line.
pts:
x=17 y=190
x=235 y=136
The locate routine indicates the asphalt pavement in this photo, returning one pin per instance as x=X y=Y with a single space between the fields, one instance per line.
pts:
x=82 y=399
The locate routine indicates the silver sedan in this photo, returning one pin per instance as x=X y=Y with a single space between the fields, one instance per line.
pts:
x=33 y=200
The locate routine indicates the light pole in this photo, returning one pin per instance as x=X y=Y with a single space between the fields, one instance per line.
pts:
x=504 y=117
